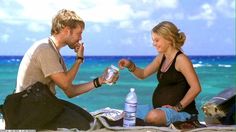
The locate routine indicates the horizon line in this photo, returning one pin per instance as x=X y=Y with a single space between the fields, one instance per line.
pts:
x=112 y=55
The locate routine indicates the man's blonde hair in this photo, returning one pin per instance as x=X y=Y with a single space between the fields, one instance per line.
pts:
x=66 y=18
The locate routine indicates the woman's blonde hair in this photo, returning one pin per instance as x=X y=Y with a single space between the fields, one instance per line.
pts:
x=65 y=18
x=170 y=32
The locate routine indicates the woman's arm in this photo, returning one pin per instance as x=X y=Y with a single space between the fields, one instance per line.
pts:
x=139 y=72
x=185 y=66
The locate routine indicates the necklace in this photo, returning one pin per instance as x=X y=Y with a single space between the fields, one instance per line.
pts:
x=58 y=53
x=165 y=68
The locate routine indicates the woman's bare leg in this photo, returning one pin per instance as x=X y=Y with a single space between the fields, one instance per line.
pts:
x=156 y=117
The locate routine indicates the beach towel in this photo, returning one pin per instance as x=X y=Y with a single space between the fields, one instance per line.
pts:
x=109 y=118
x=114 y=117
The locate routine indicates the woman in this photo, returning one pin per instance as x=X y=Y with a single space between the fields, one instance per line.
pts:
x=178 y=86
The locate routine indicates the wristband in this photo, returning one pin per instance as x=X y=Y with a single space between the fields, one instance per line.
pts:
x=96 y=83
x=80 y=58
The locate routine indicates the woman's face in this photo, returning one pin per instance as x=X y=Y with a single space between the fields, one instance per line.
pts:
x=160 y=43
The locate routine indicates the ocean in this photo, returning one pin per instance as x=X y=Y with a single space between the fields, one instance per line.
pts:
x=215 y=73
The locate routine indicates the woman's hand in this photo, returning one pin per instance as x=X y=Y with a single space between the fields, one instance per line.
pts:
x=124 y=63
x=170 y=106
x=167 y=106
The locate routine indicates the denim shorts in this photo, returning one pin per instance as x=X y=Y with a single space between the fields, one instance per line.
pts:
x=171 y=115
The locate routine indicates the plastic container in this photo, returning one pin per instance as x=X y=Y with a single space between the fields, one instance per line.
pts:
x=130 y=109
x=110 y=74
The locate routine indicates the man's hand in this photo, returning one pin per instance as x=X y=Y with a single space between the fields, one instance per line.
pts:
x=79 y=49
x=115 y=77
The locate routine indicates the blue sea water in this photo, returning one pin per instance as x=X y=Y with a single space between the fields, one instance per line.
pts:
x=215 y=73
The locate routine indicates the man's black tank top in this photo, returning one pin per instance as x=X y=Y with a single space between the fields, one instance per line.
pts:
x=172 y=88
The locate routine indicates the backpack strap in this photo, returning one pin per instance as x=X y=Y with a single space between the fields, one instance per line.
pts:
x=1 y=111
x=1 y=108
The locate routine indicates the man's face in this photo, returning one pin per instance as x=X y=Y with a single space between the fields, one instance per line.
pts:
x=75 y=35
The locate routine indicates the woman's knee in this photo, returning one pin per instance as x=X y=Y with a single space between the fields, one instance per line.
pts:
x=156 y=117
x=152 y=116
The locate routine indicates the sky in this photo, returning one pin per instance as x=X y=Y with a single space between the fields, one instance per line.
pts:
x=121 y=27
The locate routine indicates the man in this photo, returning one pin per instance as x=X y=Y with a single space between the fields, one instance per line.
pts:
x=44 y=63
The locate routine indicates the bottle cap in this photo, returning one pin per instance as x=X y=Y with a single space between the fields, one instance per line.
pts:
x=114 y=67
x=132 y=89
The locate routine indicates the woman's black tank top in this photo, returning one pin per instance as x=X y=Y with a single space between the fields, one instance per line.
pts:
x=172 y=88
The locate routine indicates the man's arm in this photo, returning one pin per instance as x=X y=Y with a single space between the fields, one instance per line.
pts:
x=71 y=90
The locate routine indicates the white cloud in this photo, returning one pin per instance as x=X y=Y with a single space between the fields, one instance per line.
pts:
x=30 y=39
x=7 y=17
x=3 y=14
x=45 y=9
x=131 y=17
x=207 y=13
x=232 y=5
x=4 y=38
x=108 y=11
x=96 y=28
x=141 y=14
x=99 y=11
x=127 y=41
x=103 y=11
x=172 y=16
x=36 y=27
x=226 y=7
x=146 y=25
x=126 y=24
x=148 y=38
x=145 y=1
x=172 y=4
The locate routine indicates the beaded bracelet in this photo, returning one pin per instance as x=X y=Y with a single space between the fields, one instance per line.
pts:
x=96 y=83
x=132 y=66
x=179 y=107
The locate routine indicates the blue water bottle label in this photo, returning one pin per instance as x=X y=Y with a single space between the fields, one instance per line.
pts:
x=130 y=107
x=130 y=114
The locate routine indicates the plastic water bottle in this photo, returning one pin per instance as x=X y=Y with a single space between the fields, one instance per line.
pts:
x=130 y=109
